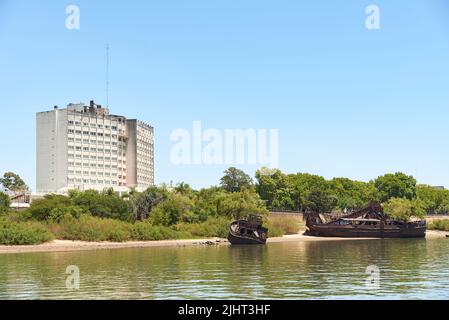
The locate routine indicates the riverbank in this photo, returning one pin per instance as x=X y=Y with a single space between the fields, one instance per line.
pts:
x=68 y=246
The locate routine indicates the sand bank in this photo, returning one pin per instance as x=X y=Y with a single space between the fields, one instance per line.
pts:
x=66 y=245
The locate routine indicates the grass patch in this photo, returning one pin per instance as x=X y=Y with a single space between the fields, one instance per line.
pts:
x=23 y=233
x=145 y=231
x=212 y=227
x=279 y=225
x=88 y=228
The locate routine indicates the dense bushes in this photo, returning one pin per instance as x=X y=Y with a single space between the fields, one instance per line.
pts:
x=23 y=233
x=176 y=208
x=4 y=203
x=178 y=212
x=213 y=227
x=144 y=231
x=403 y=209
x=306 y=192
x=439 y=224
x=53 y=207
x=88 y=228
x=435 y=200
x=44 y=209
x=106 y=204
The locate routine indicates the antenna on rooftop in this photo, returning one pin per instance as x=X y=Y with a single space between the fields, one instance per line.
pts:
x=107 y=75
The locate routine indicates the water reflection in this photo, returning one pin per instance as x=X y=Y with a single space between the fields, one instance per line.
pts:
x=416 y=269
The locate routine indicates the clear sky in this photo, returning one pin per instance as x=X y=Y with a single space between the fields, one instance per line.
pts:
x=347 y=101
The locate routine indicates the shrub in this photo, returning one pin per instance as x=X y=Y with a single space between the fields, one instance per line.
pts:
x=439 y=224
x=145 y=231
x=42 y=209
x=5 y=202
x=88 y=228
x=274 y=231
x=23 y=233
x=143 y=203
x=106 y=204
x=239 y=205
x=403 y=209
x=58 y=213
x=213 y=227
x=176 y=208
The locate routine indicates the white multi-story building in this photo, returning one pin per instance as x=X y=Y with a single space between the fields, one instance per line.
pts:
x=85 y=147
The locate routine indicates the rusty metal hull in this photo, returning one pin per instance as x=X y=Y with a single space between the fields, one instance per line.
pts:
x=324 y=230
x=236 y=239
x=244 y=232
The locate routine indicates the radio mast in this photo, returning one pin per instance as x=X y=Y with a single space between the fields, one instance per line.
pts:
x=107 y=75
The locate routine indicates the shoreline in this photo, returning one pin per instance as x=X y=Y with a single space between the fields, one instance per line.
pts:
x=73 y=246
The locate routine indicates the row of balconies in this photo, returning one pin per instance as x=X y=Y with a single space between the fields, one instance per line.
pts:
x=93 y=182
x=94 y=125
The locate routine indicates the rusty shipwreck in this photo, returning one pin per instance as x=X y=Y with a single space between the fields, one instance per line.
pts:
x=370 y=222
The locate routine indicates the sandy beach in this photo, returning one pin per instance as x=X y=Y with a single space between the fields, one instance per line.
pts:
x=67 y=245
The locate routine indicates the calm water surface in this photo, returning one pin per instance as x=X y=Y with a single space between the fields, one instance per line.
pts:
x=410 y=269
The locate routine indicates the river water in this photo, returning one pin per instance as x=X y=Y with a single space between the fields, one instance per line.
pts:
x=403 y=269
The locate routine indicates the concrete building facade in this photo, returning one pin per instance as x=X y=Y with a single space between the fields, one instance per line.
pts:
x=85 y=147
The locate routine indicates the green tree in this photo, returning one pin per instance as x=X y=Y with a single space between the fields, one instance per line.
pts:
x=274 y=188
x=398 y=185
x=234 y=180
x=403 y=209
x=352 y=194
x=5 y=203
x=43 y=209
x=105 y=204
x=239 y=205
x=208 y=202
x=144 y=202
x=59 y=213
x=185 y=190
x=315 y=193
x=13 y=182
x=435 y=201
x=175 y=208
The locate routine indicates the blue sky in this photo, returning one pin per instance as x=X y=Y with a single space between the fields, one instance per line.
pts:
x=347 y=101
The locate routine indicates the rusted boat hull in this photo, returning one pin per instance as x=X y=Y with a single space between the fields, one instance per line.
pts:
x=241 y=240
x=365 y=232
x=247 y=232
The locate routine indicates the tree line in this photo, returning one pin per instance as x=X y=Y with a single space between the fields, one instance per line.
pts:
x=237 y=196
